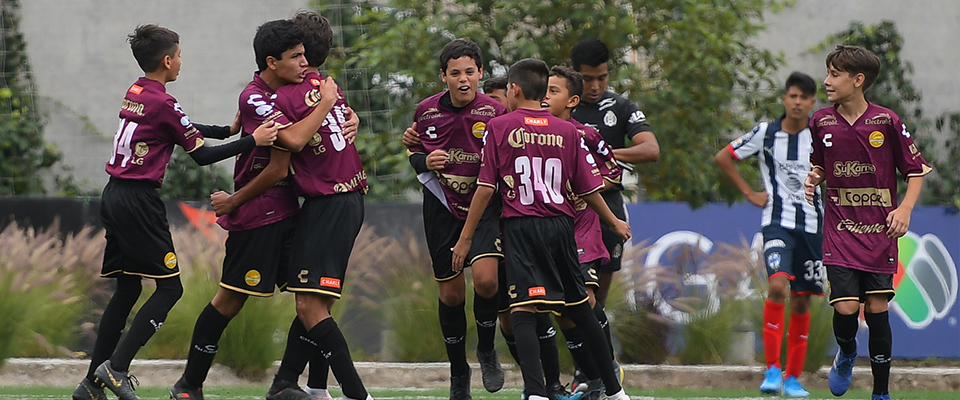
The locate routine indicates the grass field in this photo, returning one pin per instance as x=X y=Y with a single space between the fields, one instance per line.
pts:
x=44 y=393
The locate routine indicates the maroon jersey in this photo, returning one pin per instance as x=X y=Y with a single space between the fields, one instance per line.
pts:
x=861 y=163
x=279 y=202
x=537 y=162
x=151 y=123
x=328 y=164
x=586 y=222
x=460 y=134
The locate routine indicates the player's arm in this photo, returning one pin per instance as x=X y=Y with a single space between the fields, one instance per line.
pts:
x=481 y=198
x=263 y=136
x=725 y=161
x=817 y=175
x=645 y=149
x=596 y=202
x=351 y=126
x=219 y=131
x=898 y=220
x=274 y=172
x=295 y=136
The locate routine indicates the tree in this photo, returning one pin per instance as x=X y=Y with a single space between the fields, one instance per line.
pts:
x=894 y=89
x=689 y=64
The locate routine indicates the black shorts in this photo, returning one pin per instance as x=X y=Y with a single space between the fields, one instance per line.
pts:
x=853 y=284
x=541 y=263
x=590 y=271
x=442 y=230
x=257 y=258
x=796 y=254
x=326 y=229
x=612 y=241
x=502 y=287
x=137 y=232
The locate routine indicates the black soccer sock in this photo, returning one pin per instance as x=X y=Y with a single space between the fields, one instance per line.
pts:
x=845 y=330
x=319 y=370
x=485 y=310
x=601 y=315
x=113 y=321
x=147 y=322
x=511 y=341
x=203 y=347
x=297 y=352
x=330 y=341
x=580 y=352
x=528 y=349
x=549 y=357
x=593 y=336
x=453 y=325
x=881 y=345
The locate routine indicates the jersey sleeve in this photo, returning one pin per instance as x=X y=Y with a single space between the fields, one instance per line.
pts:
x=749 y=143
x=906 y=155
x=175 y=121
x=603 y=155
x=489 y=160
x=636 y=120
x=816 y=142
x=418 y=148
x=586 y=177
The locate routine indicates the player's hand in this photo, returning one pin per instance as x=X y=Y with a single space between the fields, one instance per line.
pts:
x=436 y=159
x=410 y=136
x=578 y=203
x=350 y=127
x=328 y=90
x=237 y=124
x=898 y=221
x=221 y=203
x=460 y=253
x=622 y=229
x=758 y=199
x=265 y=134
x=810 y=185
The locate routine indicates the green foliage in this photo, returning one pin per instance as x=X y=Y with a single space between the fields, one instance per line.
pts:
x=185 y=179
x=894 y=89
x=691 y=64
x=707 y=335
x=643 y=335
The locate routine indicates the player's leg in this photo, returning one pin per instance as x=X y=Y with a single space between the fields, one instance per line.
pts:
x=317 y=377
x=845 y=294
x=453 y=325
x=778 y=247
x=486 y=305
x=524 y=321
x=112 y=324
x=809 y=280
x=879 y=291
x=204 y=344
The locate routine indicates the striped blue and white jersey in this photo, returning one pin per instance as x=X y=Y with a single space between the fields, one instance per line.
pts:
x=784 y=163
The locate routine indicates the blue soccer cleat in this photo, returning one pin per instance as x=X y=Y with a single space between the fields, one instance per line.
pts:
x=772 y=381
x=841 y=372
x=793 y=388
x=880 y=397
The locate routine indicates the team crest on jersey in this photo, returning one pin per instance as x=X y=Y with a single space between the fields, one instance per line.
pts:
x=879 y=119
x=876 y=139
x=136 y=89
x=252 y=278
x=430 y=113
x=170 y=260
x=508 y=180
x=185 y=121
x=610 y=119
x=829 y=120
x=773 y=261
x=485 y=111
x=315 y=140
x=142 y=149
x=478 y=129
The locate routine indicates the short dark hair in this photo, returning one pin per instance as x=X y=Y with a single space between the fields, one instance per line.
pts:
x=803 y=82
x=150 y=43
x=855 y=60
x=573 y=78
x=273 y=38
x=590 y=52
x=531 y=75
x=492 y=84
x=317 y=36
x=459 y=48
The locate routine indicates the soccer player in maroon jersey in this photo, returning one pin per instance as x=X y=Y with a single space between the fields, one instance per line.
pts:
x=538 y=163
x=858 y=148
x=139 y=245
x=496 y=88
x=563 y=94
x=450 y=126
x=257 y=216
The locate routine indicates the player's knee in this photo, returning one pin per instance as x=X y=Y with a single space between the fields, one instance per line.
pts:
x=228 y=303
x=486 y=288
x=452 y=297
x=799 y=304
x=849 y=307
x=876 y=304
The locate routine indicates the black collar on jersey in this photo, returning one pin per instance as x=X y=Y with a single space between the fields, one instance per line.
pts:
x=447 y=103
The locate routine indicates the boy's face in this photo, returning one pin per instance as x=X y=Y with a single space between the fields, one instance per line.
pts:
x=462 y=78
x=292 y=65
x=594 y=82
x=558 y=98
x=796 y=103
x=499 y=95
x=841 y=84
x=175 y=64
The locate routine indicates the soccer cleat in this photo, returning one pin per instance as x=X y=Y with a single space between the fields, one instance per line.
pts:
x=594 y=390
x=621 y=395
x=318 y=394
x=880 y=396
x=119 y=382
x=772 y=381
x=557 y=391
x=182 y=391
x=460 y=387
x=87 y=390
x=841 y=372
x=793 y=388
x=286 y=390
x=490 y=370
x=579 y=383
